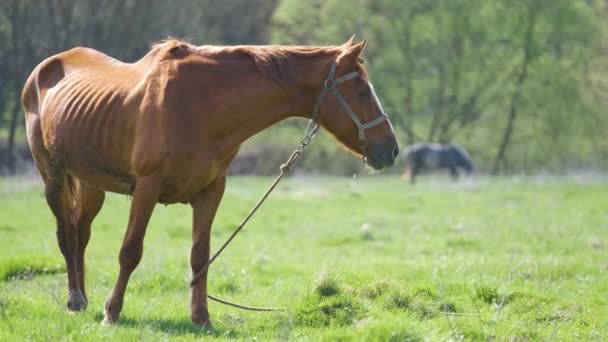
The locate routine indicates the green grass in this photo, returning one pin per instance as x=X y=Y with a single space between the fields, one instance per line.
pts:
x=368 y=259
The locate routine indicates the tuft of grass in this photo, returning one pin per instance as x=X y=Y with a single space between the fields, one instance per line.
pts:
x=491 y=295
x=422 y=301
x=425 y=292
x=487 y=294
x=386 y=329
x=329 y=303
x=377 y=288
x=27 y=267
x=327 y=284
x=424 y=310
x=319 y=311
x=398 y=299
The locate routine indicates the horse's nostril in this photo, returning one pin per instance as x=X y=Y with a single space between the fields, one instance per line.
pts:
x=395 y=151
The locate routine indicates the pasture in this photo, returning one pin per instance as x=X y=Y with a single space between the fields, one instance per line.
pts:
x=371 y=258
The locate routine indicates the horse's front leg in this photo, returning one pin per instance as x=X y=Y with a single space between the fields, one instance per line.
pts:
x=145 y=197
x=414 y=170
x=454 y=172
x=204 y=208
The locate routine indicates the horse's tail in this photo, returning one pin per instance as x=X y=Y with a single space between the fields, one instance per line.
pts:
x=29 y=95
x=463 y=159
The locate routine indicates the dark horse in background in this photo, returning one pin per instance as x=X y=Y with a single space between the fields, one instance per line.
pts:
x=430 y=156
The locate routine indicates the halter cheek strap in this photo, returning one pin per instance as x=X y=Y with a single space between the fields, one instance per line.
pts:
x=330 y=85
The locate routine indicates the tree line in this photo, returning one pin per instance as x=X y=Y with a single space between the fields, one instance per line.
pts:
x=32 y=30
x=522 y=84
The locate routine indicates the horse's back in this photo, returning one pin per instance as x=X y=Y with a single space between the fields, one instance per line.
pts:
x=76 y=73
x=420 y=152
x=434 y=155
x=83 y=58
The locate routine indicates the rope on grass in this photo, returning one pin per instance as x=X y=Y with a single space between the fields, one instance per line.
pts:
x=240 y=306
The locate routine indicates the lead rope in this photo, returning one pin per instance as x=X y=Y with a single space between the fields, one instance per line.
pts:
x=311 y=130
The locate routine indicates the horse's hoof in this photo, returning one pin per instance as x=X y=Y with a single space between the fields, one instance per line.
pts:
x=107 y=322
x=76 y=301
x=109 y=318
x=205 y=324
x=111 y=311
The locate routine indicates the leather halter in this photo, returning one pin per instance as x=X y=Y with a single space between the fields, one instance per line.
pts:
x=330 y=85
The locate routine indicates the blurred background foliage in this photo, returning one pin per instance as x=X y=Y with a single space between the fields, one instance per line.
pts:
x=521 y=84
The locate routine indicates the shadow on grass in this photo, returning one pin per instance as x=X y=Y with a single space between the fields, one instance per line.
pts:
x=29 y=266
x=173 y=327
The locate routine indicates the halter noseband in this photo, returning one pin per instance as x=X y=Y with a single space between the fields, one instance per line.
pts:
x=330 y=85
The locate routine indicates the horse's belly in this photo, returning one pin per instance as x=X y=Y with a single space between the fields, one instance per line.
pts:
x=432 y=160
x=91 y=145
x=101 y=168
x=122 y=184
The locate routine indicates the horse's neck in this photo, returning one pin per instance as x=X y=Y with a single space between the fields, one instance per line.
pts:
x=269 y=102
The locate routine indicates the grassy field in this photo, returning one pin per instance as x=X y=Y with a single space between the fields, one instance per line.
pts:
x=349 y=259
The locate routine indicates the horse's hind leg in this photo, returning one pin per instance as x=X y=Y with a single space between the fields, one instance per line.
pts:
x=59 y=199
x=89 y=202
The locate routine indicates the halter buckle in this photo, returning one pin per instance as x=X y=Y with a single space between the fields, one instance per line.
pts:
x=329 y=83
x=363 y=144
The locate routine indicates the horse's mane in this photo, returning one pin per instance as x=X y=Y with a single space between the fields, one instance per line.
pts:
x=271 y=60
x=274 y=60
x=167 y=44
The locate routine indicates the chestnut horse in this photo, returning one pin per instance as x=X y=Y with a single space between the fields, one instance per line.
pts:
x=165 y=128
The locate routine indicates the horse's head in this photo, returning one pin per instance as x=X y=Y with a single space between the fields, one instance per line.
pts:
x=349 y=108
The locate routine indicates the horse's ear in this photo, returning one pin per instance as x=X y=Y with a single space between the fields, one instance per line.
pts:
x=361 y=46
x=351 y=54
x=349 y=42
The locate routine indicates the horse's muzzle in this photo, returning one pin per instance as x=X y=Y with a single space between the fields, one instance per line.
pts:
x=381 y=155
